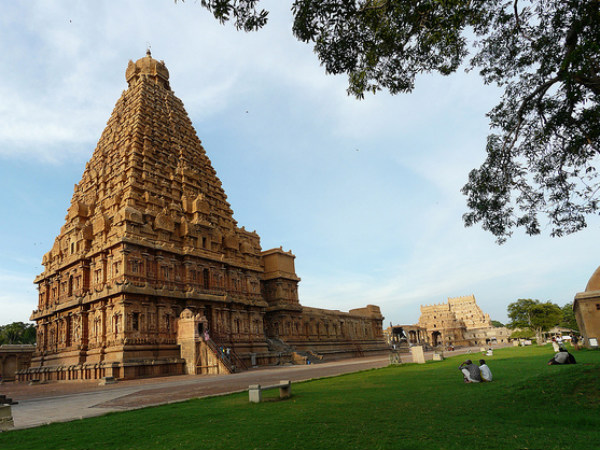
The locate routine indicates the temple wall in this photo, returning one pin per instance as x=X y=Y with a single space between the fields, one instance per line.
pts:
x=485 y=336
x=329 y=332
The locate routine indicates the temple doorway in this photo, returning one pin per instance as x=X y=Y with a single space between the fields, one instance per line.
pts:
x=436 y=338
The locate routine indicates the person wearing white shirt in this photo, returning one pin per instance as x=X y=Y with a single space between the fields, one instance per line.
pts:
x=486 y=373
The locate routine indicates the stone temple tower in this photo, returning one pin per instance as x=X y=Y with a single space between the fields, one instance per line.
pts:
x=149 y=238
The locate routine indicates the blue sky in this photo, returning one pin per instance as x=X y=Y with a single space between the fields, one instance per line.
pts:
x=365 y=193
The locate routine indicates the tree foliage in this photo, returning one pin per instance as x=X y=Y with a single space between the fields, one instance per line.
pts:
x=17 y=333
x=541 y=157
x=244 y=13
x=568 y=317
x=545 y=138
x=497 y=324
x=522 y=333
x=528 y=313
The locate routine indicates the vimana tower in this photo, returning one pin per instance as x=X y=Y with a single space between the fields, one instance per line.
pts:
x=150 y=275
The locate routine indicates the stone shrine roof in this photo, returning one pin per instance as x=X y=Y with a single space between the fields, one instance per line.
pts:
x=149 y=67
x=594 y=282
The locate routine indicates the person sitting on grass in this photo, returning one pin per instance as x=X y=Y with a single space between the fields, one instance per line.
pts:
x=470 y=372
x=562 y=357
x=486 y=373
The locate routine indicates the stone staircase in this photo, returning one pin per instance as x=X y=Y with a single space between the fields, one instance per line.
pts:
x=306 y=357
x=278 y=346
x=287 y=352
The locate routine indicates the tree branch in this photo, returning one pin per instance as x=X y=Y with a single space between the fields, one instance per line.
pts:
x=592 y=83
x=382 y=4
x=542 y=89
x=518 y=22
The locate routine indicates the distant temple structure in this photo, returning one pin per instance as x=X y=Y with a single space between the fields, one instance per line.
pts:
x=151 y=275
x=459 y=322
x=586 y=307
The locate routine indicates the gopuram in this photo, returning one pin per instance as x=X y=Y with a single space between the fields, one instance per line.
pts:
x=151 y=275
x=458 y=323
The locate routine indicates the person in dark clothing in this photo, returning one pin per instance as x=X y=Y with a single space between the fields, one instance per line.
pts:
x=562 y=357
x=574 y=341
x=470 y=372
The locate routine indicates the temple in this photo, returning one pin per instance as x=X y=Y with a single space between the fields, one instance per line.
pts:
x=458 y=323
x=151 y=275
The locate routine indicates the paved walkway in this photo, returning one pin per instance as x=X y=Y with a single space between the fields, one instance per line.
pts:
x=65 y=401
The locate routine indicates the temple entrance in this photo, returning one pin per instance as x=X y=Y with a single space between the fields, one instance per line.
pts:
x=436 y=338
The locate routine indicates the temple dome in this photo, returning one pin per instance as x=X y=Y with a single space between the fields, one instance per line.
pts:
x=594 y=283
x=149 y=67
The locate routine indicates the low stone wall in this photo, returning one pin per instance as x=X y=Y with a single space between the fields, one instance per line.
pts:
x=117 y=370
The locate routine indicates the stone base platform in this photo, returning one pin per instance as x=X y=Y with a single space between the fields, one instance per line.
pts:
x=117 y=370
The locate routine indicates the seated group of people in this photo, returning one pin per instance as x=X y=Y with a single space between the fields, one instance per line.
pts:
x=475 y=374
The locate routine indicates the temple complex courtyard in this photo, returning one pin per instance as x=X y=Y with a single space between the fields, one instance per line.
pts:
x=528 y=405
x=40 y=404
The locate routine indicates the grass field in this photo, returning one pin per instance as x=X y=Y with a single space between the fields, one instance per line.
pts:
x=528 y=405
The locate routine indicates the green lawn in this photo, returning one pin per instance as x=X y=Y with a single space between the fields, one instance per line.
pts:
x=528 y=405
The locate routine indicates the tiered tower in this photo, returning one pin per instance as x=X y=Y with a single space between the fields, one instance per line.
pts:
x=150 y=235
x=469 y=313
